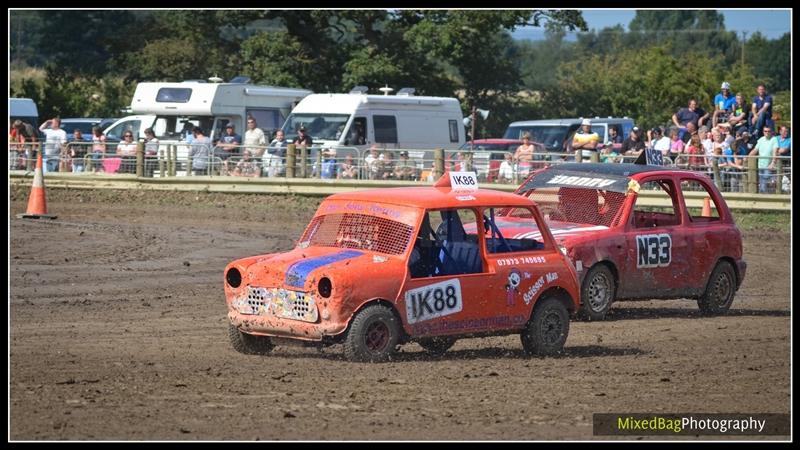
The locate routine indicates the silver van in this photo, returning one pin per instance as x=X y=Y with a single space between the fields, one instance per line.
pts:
x=556 y=134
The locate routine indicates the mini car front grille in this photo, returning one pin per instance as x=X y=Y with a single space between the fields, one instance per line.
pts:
x=278 y=302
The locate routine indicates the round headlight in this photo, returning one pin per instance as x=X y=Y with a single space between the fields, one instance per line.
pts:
x=325 y=287
x=233 y=277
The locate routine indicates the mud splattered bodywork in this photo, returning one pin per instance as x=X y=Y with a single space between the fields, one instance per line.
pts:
x=664 y=251
x=363 y=249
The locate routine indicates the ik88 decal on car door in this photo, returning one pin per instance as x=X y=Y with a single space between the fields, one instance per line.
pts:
x=434 y=300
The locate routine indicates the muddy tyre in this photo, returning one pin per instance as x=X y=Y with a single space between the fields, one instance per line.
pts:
x=720 y=290
x=597 y=293
x=249 y=344
x=437 y=346
x=546 y=332
x=373 y=335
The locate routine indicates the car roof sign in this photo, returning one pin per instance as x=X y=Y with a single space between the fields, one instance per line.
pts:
x=576 y=179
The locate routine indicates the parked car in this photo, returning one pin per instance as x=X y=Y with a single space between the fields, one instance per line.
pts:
x=85 y=125
x=382 y=267
x=687 y=247
x=556 y=134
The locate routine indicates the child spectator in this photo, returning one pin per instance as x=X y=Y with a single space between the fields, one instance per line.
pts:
x=695 y=151
x=247 y=167
x=347 y=170
x=609 y=155
x=506 y=173
x=77 y=151
x=98 y=148
x=675 y=146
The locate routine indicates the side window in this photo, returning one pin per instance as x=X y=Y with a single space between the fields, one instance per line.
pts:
x=626 y=129
x=517 y=231
x=702 y=214
x=447 y=244
x=160 y=127
x=358 y=134
x=269 y=120
x=662 y=193
x=601 y=132
x=385 y=129
x=453 y=130
x=119 y=130
x=174 y=95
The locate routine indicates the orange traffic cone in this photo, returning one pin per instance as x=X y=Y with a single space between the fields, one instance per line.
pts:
x=706 y=207
x=37 y=204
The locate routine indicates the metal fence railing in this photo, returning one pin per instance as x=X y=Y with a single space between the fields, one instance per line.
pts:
x=751 y=174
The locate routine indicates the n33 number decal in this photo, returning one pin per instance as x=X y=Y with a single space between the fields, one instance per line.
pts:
x=434 y=300
x=653 y=250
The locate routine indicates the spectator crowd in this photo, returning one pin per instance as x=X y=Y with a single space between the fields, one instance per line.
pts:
x=728 y=132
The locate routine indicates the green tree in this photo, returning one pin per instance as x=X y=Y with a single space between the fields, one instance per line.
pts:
x=170 y=59
x=648 y=84
x=479 y=48
x=277 y=58
x=83 y=41
x=771 y=60
x=689 y=31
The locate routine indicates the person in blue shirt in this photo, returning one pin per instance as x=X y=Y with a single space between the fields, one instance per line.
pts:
x=785 y=152
x=230 y=144
x=762 y=112
x=723 y=103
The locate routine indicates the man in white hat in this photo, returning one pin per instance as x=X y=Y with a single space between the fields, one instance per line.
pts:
x=723 y=104
x=585 y=139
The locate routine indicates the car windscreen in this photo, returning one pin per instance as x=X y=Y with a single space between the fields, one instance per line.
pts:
x=358 y=231
x=551 y=136
x=327 y=127
x=581 y=205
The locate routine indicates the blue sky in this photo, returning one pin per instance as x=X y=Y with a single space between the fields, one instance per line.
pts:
x=770 y=22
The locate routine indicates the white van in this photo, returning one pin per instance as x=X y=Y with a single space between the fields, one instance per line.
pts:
x=172 y=108
x=361 y=120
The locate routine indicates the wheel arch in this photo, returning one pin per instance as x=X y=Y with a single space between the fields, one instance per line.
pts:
x=382 y=302
x=558 y=293
x=733 y=264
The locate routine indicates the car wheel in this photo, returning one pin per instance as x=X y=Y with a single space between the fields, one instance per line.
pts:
x=720 y=290
x=373 y=335
x=437 y=346
x=249 y=344
x=597 y=293
x=546 y=332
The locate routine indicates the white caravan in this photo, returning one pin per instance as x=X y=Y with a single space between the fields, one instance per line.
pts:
x=389 y=121
x=171 y=109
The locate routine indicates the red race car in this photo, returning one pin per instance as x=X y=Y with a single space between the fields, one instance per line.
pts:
x=637 y=232
x=378 y=268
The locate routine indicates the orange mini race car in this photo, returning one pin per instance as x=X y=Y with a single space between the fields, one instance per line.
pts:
x=378 y=268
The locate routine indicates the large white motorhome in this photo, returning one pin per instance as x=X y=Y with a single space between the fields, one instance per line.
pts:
x=172 y=108
x=389 y=121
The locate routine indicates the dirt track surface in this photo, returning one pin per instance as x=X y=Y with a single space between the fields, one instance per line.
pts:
x=118 y=331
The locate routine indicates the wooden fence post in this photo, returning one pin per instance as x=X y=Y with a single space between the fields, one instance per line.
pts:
x=290 y=160
x=752 y=175
x=438 y=163
x=140 y=159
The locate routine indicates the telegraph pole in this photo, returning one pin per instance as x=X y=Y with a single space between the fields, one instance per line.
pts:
x=744 y=39
x=472 y=140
